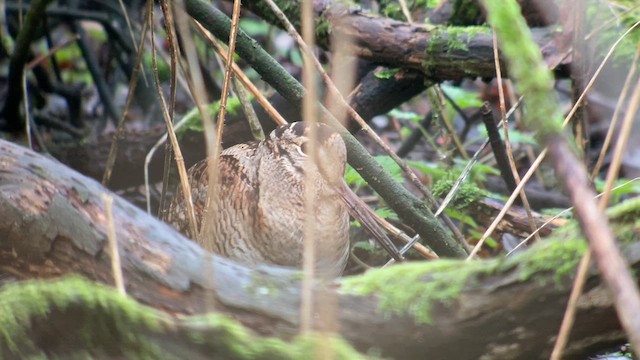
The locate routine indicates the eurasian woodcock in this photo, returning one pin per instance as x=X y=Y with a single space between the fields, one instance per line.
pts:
x=259 y=206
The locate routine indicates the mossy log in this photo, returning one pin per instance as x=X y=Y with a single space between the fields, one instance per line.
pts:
x=53 y=224
x=440 y=53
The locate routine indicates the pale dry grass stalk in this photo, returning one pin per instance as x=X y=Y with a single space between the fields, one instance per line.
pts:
x=508 y=204
x=616 y=114
x=182 y=171
x=173 y=61
x=505 y=130
x=116 y=265
x=437 y=100
x=310 y=116
x=405 y=11
x=244 y=79
x=581 y=276
x=123 y=8
x=40 y=59
x=27 y=114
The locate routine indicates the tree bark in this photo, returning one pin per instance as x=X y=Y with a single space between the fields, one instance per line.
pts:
x=54 y=224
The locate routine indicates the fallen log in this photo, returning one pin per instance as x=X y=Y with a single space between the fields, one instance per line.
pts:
x=53 y=223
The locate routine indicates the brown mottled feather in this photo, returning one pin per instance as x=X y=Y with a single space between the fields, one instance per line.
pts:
x=259 y=209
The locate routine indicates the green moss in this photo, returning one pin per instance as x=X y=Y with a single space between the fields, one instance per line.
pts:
x=24 y=302
x=229 y=339
x=467 y=194
x=556 y=256
x=625 y=220
x=323 y=29
x=414 y=288
x=123 y=320
x=446 y=40
x=453 y=38
x=626 y=210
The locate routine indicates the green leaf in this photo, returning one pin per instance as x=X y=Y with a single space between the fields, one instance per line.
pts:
x=463 y=98
x=490 y=242
x=386 y=213
x=386 y=73
x=194 y=122
x=390 y=167
x=437 y=171
x=352 y=177
x=406 y=115
x=620 y=188
x=254 y=27
x=296 y=57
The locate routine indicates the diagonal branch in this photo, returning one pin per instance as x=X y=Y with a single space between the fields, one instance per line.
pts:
x=409 y=208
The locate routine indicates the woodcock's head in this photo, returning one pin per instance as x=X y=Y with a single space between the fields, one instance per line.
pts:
x=331 y=158
x=331 y=154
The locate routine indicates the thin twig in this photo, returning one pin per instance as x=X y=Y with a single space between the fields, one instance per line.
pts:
x=119 y=133
x=116 y=266
x=162 y=140
x=130 y=28
x=437 y=105
x=205 y=236
x=498 y=146
x=25 y=101
x=561 y=213
x=505 y=130
x=616 y=114
x=173 y=56
x=597 y=73
x=37 y=61
x=508 y=204
x=182 y=171
x=248 y=110
x=244 y=79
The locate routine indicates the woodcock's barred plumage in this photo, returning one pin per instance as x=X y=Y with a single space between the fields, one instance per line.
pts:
x=259 y=209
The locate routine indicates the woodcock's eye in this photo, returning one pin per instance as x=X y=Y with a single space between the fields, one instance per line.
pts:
x=304 y=149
